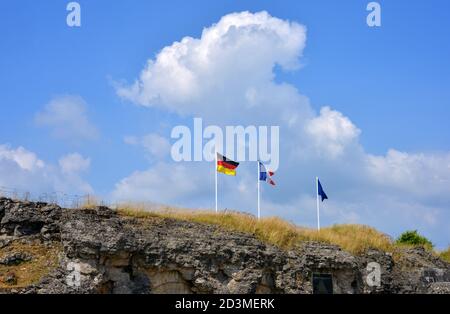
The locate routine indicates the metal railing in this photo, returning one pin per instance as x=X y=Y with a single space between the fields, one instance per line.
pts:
x=59 y=198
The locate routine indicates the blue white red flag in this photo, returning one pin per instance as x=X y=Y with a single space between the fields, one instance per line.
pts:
x=265 y=175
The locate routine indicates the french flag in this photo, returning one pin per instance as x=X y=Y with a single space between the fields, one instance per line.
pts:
x=265 y=175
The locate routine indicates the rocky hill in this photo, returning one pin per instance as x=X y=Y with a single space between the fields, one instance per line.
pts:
x=48 y=249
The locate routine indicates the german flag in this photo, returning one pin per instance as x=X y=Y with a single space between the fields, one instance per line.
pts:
x=226 y=166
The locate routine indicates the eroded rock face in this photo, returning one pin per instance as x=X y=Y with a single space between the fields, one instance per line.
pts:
x=15 y=259
x=27 y=218
x=103 y=252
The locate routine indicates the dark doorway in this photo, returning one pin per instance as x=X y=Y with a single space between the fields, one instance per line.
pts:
x=322 y=283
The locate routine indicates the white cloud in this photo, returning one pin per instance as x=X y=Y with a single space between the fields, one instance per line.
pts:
x=23 y=171
x=332 y=132
x=131 y=140
x=156 y=146
x=66 y=117
x=74 y=163
x=232 y=66
x=24 y=159
x=159 y=183
x=419 y=174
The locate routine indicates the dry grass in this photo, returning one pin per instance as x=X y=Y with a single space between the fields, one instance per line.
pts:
x=89 y=202
x=44 y=258
x=352 y=238
x=445 y=255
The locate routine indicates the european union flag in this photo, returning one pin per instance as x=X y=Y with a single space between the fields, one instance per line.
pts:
x=320 y=191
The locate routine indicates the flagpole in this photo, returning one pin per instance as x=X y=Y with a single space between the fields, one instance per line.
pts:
x=215 y=174
x=257 y=178
x=317 y=199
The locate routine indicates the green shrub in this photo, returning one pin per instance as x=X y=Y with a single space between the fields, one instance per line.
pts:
x=414 y=238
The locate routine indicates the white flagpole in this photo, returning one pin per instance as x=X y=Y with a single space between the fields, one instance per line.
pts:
x=317 y=198
x=215 y=172
x=259 y=209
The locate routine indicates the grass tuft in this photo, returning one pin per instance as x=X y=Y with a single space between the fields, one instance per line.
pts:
x=445 y=255
x=44 y=259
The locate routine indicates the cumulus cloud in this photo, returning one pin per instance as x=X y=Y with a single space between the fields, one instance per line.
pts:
x=22 y=170
x=232 y=65
x=24 y=159
x=332 y=132
x=66 y=117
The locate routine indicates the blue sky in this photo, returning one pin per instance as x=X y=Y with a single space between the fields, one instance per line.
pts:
x=391 y=82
